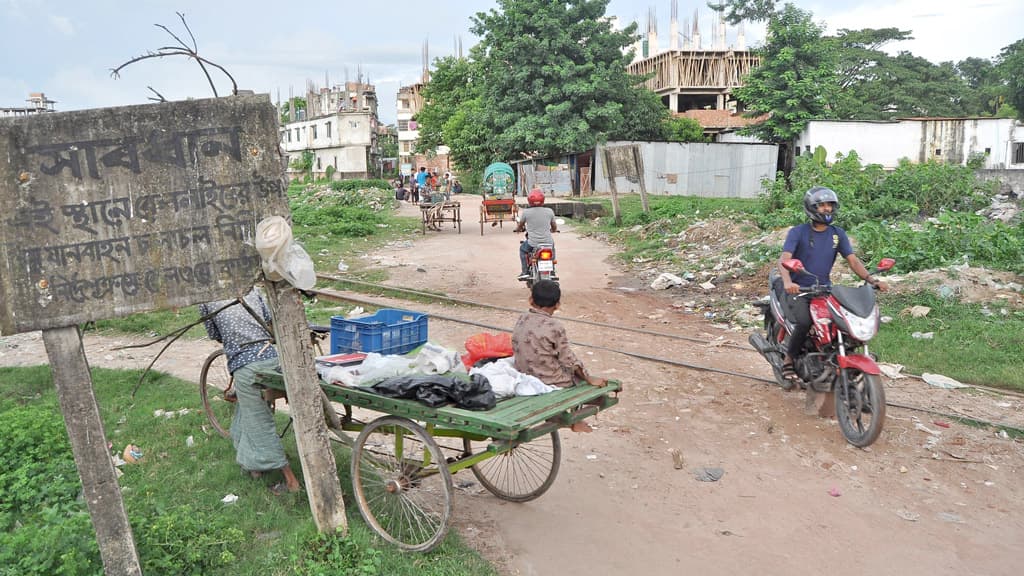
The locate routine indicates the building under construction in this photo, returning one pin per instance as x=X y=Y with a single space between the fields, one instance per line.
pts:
x=38 y=103
x=695 y=77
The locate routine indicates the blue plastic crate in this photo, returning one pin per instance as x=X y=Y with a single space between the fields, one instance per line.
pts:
x=389 y=331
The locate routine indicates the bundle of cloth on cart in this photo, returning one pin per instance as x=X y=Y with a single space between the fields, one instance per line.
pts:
x=436 y=376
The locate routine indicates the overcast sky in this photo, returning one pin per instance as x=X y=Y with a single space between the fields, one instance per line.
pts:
x=66 y=48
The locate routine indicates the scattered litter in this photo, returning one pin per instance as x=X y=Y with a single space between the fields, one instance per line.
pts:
x=160 y=413
x=355 y=312
x=190 y=441
x=885 y=319
x=707 y=286
x=892 y=371
x=923 y=428
x=834 y=492
x=941 y=424
x=908 y=515
x=666 y=281
x=916 y=311
x=132 y=454
x=677 y=458
x=229 y=499
x=342 y=267
x=950 y=517
x=708 y=474
x=1002 y=434
x=940 y=381
x=903 y=470
x=923 y=335
x=591 y=456
x=1004 y=404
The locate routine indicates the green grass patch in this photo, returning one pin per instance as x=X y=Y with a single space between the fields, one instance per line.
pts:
x=173 y=496
x=972 y=343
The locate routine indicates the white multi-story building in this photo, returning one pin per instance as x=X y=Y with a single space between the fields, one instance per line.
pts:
x=339 y=128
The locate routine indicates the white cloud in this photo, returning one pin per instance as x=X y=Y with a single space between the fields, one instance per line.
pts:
x=942 y=30
x=63 y=25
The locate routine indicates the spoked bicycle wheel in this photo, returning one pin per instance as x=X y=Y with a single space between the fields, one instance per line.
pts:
x=215 y=382
x=401 y=483
x=523 y=473
x=860 y=406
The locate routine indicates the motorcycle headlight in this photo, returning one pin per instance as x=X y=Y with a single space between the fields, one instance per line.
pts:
x=863 y=329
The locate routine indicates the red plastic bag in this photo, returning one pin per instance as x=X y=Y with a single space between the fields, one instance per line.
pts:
x=480 y=346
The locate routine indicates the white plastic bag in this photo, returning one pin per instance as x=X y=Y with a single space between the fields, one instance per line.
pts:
x=283 y=258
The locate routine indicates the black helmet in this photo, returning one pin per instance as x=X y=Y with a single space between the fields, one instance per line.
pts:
x=820 y=195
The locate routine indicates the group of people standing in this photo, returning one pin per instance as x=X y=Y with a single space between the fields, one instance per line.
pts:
x=421 y=185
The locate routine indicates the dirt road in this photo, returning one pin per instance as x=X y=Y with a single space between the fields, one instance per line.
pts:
x=930 y=497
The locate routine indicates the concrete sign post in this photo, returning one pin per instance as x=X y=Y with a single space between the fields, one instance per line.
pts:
x=116 y=211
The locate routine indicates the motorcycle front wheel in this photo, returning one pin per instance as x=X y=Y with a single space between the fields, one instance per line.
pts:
x=860 y=406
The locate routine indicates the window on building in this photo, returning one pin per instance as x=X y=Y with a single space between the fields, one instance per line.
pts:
x=289 y=135
x=296 y=134
x=403 y=125
x=1018 y=152
x=317 y=161
x=938 y=151
x=404 y=103
x=328 y=129
x=314 y=131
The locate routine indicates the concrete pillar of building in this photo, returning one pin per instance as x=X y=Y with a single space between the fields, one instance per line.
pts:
x=673 y=102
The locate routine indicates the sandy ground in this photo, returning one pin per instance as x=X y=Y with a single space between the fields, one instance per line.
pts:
x=930 y=497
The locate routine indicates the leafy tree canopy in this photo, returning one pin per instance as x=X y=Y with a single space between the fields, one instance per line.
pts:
x=752 y=10
x=554 y=75
x=1010 y=64
x=796 y=80
x=682 y=129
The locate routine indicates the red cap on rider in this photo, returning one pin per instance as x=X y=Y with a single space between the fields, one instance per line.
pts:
x=535 y=198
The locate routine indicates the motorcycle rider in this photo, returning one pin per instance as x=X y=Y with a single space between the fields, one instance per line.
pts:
x=539 y=223
x=815 y=244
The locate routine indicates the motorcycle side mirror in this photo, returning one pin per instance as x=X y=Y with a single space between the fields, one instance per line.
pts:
x=793 y=265
x=885 y=264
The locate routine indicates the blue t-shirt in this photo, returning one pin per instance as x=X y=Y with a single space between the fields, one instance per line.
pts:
x=421 y=179
x=817 y=250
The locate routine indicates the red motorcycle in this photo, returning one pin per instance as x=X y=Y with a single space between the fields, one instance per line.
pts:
x=835 y=356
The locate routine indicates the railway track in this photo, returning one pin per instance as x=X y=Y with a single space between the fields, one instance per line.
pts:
x=420 y=296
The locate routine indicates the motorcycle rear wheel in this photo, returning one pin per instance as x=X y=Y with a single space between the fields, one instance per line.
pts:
x=772 y=332
x=860 y=406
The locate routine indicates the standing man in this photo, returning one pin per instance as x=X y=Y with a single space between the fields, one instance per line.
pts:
x=539 y=222
x=250 y=354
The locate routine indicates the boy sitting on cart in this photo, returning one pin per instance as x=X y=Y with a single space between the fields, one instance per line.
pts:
x=541 y=346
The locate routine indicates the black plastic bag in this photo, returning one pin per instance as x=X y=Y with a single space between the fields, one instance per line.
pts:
x=437 y=390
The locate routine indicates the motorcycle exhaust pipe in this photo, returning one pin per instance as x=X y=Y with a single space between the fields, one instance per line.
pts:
x=760 y=343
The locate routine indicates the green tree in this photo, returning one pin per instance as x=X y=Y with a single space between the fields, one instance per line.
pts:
x=451 y=85
x=859 y=55
x=646 y=120
x=750 y=10
x=985 y=90
x=300 y=104
x=681 y=129
x=553 y=76
x=796 y=79
x=1010 y=64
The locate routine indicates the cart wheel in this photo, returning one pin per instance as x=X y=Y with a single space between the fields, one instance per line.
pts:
x=524 y=472
x=214 y=382
x=402 y=484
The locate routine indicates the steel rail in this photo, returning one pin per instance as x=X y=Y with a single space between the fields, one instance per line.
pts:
x=334 y=295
